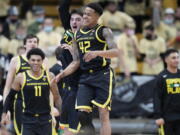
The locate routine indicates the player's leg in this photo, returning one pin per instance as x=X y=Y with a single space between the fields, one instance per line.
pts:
x=73 y=120
x=176 y=127
x=27 y=130
x=64 y=115
x=102 y=99
x=168 y=128
x=84 y=96
x=105 y=121
x=45 y=129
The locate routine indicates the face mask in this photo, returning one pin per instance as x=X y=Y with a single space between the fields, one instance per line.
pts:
x=13 y=20
x=148 y=36
x=168 y=21
x=48 y=28
x=20 y=37
x=40 y=19
x=130 y=32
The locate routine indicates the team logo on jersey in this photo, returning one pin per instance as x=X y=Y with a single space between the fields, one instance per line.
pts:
x=28 y=80
x=44 y=78
x=23 y=64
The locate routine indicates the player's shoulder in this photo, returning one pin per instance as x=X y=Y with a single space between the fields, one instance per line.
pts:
x=163 y=74
x=14 y=60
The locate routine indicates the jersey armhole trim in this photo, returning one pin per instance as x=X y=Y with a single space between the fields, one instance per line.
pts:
x=98 y=38
x=18 y=64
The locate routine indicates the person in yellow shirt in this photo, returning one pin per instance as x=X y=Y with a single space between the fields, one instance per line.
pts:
x=3 y=10
x=152 y=47
x=16 y=42
x=113 y=18
x=4 y=42
x=49 y=40
x=164 y=27
x=128 y=43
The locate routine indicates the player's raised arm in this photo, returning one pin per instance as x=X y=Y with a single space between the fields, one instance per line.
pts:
x=72 y=67
x=64 y=6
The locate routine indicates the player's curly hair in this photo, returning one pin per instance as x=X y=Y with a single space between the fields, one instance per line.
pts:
x=35 y=51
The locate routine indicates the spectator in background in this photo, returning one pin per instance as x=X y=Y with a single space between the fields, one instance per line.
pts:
x=12 y=22
x=48 y=40
x=21 y=50
x=39 y=15
x=136 y=9
x=16 y=42
x=177 y=18
x=4 y=42
x=128 y=43
x=164 y=27
x=3 y=10
x=175 y=43
x=113 y=18
x=152 y=47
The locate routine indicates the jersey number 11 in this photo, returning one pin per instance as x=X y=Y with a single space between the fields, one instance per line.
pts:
x=37 y=91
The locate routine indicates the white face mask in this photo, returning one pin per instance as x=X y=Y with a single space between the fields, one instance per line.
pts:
x=48 y=28
x=130 y=32
x=168 y=21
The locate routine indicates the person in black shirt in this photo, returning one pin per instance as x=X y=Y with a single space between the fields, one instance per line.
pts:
x=71 y=22
x=94 y=48
x=35 y=85
x=167 y=95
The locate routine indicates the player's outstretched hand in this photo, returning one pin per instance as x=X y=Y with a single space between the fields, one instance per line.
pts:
x=90 y=55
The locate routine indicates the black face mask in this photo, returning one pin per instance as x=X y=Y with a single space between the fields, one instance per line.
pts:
x=13 y=20
x=148 y=36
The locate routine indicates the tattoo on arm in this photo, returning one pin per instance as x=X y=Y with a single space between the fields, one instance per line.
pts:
x=76 y=53
x=108 y=35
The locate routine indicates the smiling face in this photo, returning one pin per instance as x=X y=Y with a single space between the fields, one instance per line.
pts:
x=90 y=17
x=35 y=61
x=76 y=22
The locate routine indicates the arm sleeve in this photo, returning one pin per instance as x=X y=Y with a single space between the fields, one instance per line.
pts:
x=158 y=97
x=64 y=14
x=9 y=100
